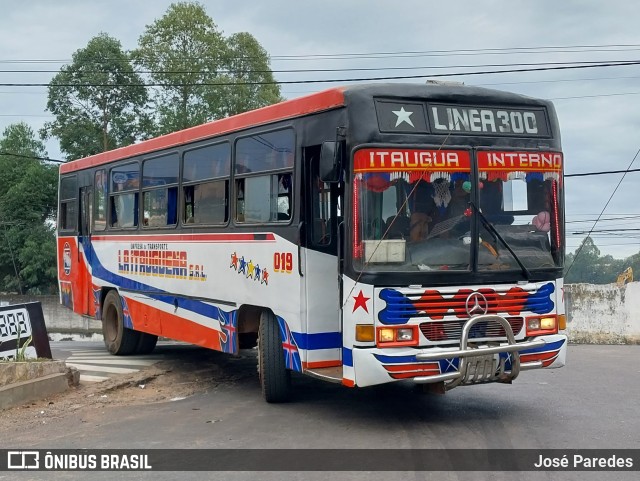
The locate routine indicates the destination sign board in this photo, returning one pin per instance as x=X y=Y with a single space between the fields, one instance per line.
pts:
x=461 y=119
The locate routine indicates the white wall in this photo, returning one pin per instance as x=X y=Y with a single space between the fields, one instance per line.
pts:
x=603 y=314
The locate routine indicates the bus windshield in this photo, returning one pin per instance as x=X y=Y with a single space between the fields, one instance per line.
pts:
x=413 y=211
x=520 y=195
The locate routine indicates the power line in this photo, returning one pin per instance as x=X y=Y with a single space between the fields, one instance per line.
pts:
x=594 y=96
x=33 y=157
x=352 y=69
x=604 y=172
x=601 y=213
x=410 y=53
x=342 y=80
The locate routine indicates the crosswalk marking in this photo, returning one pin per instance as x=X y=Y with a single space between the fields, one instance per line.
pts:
x=123 y=362
x=95 y=367
x=99 y=365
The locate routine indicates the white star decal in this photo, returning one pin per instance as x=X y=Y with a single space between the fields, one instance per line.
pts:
x=403 y=116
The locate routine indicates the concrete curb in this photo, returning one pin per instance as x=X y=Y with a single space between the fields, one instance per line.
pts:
x=22 y=382
x=32 y=390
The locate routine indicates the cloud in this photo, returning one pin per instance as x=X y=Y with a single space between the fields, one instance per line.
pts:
x=599 y=133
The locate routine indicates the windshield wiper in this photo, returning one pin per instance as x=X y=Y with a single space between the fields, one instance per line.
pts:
x=489 y=226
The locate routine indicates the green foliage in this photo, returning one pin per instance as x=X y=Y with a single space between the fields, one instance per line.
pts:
x=202 y=74
x=253 y=83
x=21 y=355
x=590 y=267
x=28 y=197
x=98 y=101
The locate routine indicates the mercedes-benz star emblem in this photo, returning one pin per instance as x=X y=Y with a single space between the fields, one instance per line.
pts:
x=476 y=304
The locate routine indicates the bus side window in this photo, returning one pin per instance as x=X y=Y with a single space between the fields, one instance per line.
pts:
x=284 y=197
x=263 y=190
x=205 y=189
x=100 y=200
x=67 y=214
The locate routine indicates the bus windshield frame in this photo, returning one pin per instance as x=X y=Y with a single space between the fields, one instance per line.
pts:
x=413 y=210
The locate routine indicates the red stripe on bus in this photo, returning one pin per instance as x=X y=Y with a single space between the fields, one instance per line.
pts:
x=348 y=382
x=155 y=321
x=317 y=102
x=321 y=364
x=220 y=237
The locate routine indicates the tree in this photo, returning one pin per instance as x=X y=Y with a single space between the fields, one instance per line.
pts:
x=182 y=50
x=253 y=83
x=201 y=75
x=28 y=199
x=583 y=265
x=98 y=101
x=586 y=265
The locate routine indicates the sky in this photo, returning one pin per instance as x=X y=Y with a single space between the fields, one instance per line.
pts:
x=597 y=107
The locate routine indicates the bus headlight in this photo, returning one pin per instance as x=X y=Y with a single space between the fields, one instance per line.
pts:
x=537 y=326
x=404 y=335
x=547 y=323
x=386 y=335
x=397 y=336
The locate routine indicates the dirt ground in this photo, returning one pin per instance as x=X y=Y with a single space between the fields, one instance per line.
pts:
x=169 y=380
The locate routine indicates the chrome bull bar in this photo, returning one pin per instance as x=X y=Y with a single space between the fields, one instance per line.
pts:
x=478 y=364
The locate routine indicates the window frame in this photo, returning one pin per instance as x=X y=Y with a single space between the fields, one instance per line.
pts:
x=111 y=195
x=105 y=197
x=65 y=201
x=286 y=170
x=146 y=190
x=226 y=179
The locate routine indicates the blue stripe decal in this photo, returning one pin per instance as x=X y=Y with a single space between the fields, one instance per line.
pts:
x=199 y=307
x=321 y=340
x=347 y=357
x=396 y=359
x=554 y=346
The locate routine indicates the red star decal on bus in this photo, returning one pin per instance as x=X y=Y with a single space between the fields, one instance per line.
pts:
x=361 y=301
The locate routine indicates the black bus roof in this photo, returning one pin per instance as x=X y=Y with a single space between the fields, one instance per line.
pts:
x=317 y=102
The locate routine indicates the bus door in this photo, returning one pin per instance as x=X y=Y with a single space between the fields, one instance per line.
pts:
x=84 y=241
x=320 y=268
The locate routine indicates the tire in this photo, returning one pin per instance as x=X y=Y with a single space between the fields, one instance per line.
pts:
x=275 y=379
x=146 y=343
x=118 y=339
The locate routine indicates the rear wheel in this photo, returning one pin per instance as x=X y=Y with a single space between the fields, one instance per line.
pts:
x=275 y=379
x=118 y=339
x=146 y=343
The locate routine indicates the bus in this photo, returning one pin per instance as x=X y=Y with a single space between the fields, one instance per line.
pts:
x=363 y=235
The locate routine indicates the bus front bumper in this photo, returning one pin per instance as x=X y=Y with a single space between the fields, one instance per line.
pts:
x=471 y=363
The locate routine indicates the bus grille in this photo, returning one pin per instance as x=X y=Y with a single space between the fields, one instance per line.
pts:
x=401 y=306
x=436 y=331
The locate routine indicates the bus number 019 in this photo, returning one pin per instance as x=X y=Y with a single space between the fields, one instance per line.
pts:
x=283 y=262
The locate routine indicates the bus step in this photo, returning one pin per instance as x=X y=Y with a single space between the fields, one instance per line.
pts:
x=331 y=374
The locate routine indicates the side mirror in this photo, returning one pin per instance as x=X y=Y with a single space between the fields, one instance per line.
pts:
x=330 y=162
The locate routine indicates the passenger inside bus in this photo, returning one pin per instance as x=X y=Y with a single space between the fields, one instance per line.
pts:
x=453 y=220
x=423 y=211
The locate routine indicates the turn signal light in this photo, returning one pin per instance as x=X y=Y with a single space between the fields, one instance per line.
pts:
x=562 y=322
x=365 y=333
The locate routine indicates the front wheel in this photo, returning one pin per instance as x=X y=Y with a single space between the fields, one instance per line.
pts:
x=275 y=379
x=118 y=339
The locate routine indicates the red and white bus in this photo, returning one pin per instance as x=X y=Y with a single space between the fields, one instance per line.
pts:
x=362 y=235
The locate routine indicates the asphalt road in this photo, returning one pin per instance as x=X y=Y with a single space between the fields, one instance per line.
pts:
x=592 y=403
